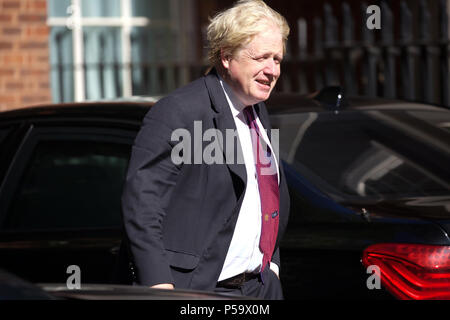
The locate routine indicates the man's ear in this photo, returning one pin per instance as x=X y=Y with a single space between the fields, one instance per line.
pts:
x=224 y=59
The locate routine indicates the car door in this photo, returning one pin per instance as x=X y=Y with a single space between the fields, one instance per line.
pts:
x=60 y=202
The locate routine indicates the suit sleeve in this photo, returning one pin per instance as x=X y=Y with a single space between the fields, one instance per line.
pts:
x=149 y=184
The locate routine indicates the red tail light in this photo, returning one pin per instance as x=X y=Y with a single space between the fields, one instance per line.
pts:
x=412 y=271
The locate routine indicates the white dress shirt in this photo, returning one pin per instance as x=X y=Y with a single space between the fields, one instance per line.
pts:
x=244 y=254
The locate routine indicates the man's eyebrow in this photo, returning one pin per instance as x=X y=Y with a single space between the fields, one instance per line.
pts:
x=265 y=54
x=269 y=54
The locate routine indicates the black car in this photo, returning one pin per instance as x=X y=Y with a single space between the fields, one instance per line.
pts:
x=15 y=288
x=369 y=180
x=61 y=174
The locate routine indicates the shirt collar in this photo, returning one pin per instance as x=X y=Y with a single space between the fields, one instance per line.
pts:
x=236 y=106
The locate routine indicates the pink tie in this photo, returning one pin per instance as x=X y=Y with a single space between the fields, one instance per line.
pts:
x=268 y=189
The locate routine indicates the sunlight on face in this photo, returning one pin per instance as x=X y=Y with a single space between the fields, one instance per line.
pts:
x=254 y=70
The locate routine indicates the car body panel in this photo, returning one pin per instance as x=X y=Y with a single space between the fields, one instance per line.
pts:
x=126 y=292
x=28 y=247
x=328 y=227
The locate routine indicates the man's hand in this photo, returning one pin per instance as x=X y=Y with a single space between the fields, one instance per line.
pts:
x=167 y=286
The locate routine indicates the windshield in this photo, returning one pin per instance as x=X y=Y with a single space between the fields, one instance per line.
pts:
x=388 y=154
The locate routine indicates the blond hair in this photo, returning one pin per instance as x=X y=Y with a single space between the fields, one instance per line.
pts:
x=235 y=27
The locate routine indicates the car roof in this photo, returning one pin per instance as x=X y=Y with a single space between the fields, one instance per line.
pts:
x=124 y=110
x=136 y=107
x=279 y=103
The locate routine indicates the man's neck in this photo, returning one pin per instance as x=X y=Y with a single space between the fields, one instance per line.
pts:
x=230 y=92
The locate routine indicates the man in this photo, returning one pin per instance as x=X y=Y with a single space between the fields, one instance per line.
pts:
x=213 y=225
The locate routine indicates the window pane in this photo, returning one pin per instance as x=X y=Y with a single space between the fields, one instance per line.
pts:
x=155 y=9
x=358 y=155
x=71 y=184
x=100 y=8
x=61 y=63
x=155 y=60
x=102 y=47
x=58 y=8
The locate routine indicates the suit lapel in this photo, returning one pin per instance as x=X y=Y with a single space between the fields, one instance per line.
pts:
x=223 y=120
x=262 y=116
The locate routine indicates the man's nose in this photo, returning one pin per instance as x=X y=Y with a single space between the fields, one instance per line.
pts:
x=271 y=67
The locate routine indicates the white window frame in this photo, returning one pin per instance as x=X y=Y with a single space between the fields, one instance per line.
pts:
x=76 y=22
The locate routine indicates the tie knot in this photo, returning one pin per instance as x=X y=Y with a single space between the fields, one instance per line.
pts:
x=248 y=112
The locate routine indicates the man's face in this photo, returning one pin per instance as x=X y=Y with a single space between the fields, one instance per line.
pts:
x=254 y=70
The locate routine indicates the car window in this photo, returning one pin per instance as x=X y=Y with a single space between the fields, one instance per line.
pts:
x=70 y=184
x=366 y=155
x=4 y=131
x=5 y=152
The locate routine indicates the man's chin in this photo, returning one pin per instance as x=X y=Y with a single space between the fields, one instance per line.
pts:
x=263 y=96
x=258 y=97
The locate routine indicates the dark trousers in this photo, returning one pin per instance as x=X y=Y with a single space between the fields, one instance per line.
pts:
x=267 y=287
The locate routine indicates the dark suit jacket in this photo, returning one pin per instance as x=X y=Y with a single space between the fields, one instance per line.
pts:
x=179 y=219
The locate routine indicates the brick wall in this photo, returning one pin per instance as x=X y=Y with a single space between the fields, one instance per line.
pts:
x=24 y=54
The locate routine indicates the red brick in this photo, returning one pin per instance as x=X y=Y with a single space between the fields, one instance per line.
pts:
x=11 y=31
x=32 y=17
x=6 y=72
x=6 y=100
x=37 y=31
x=13 y=59
x=5 y=45
x=24 y=54
x=41 y=59
x=11 y=4
x=33 y=45
x=44 y=85
x=34 y=72
x=35 y=99
x=14 y=85
x=37 y=5
x=5 y=17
